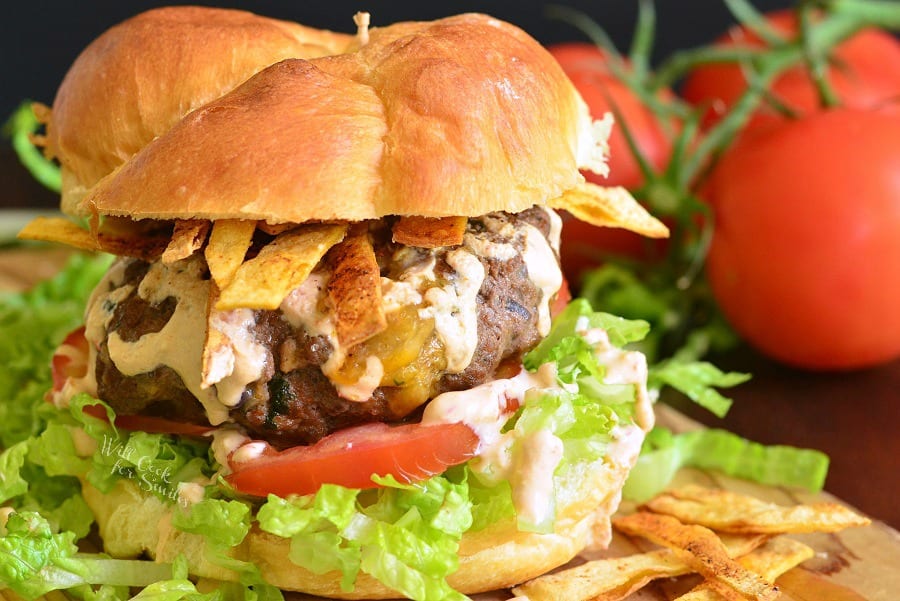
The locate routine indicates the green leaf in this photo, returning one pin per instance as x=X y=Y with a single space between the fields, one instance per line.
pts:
x=665 y=453
x=697 y=380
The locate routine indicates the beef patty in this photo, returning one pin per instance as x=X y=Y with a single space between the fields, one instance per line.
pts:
x=294 y=402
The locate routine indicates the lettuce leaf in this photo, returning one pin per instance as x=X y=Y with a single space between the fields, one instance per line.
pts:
x=664 y=453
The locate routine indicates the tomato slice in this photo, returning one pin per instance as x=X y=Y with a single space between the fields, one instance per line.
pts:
x=153 y=425
x=409 y=452
x=70 y=359
x=563 y=296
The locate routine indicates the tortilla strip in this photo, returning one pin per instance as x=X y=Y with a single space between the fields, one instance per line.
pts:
x=616 y=578
x=702 y=549
x=430 y=232
x=282 y=265
x=187 y=238
x=354 y=289
x=727 y=511
x=227 y=247
x=770 y=561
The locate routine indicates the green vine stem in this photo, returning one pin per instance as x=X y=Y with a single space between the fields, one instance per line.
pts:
x=671 y=193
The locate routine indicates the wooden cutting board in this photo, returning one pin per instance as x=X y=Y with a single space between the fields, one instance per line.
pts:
x=859 y=564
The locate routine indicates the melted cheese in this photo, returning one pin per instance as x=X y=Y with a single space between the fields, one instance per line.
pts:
x=361 y=390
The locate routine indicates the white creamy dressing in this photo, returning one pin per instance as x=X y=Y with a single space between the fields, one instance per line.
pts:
x=244 y=357
x=622 y=367
x=528 y=462
x=543 y=271
x=225 y=441
x=301 y=307
x=454 y=309
x=190 y=493
x=250 y=451
x=556 y=225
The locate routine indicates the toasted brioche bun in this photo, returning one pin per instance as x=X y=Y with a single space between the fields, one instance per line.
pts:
x=133 y=522
x=139 y=78
x=460 y=116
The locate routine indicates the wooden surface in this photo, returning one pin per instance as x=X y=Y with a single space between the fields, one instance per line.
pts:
x=778 y=406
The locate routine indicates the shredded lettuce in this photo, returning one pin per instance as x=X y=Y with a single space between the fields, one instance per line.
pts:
x=33 y=324
x=664 y=453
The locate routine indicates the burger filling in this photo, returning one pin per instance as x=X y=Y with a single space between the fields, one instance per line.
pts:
x=457 y=317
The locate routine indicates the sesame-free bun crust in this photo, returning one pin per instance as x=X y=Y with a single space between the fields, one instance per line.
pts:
x=460 y=116
x=133 y=522
x=139 y=78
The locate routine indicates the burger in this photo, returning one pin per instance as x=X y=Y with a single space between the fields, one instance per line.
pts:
x=334 y=352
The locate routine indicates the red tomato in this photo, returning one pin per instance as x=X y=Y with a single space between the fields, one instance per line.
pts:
x=562 y=299
x=586 y=65
x=70 y=359
x=584 y=245
x=350 y=457
x=864 y=72
x=805 y=259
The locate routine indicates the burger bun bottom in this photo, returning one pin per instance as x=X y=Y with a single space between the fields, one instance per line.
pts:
x=134 y=523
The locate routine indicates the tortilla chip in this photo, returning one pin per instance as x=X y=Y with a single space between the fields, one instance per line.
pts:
x=770 y=561
x=187 y=238
x=144 y=239
x=282 y=265
x=58 y=229
x=228 y=244
x=703 y=551
x=727 y=511
x=618 y=577
x=610 y=207
x=430 y=232
x=354 y=289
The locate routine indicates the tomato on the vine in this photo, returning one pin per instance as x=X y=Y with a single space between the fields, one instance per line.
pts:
x=588 y=68
x=864 y=72
x=805 y=258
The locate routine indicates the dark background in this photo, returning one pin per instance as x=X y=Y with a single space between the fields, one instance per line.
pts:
x=39 y=40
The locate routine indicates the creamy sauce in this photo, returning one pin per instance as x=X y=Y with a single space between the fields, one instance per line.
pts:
x=246 y=357
x=225 y=441
x=190 y=493
x=454 y=309
x=250 y=451
x=528 y=462
x=622 y=367
x=556 y=224
x=543 y=271
x=301 y=308
x=179 y=344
